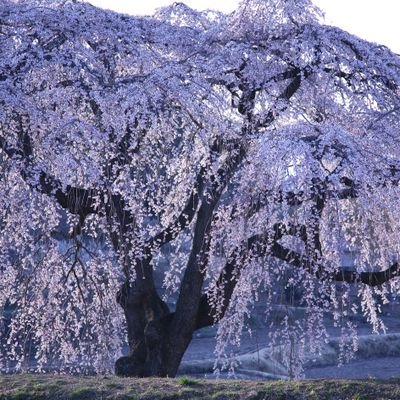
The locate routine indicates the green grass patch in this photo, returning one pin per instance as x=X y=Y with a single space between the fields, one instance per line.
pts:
x=64 y=387
x=186 y=381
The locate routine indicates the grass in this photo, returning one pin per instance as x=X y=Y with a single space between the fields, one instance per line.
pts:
x=64 y=387
x=186 y=381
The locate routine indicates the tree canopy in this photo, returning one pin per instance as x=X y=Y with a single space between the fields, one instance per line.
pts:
x=259 y=147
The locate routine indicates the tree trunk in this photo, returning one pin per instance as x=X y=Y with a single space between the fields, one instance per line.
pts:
x=148 y=322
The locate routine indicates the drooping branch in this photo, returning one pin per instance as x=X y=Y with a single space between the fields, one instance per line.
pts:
x=269 y=243
x=124 y=149
x=76 y=200
x=349 y=190
x=390 y=176
x=208 y=314
x=372 y=278
x=375 y=278
x=185 y=217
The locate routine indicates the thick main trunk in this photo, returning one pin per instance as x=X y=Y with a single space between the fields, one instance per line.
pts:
x=148 y=323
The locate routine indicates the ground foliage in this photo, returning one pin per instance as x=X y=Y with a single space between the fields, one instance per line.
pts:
x=64 y=387
x=259 y=147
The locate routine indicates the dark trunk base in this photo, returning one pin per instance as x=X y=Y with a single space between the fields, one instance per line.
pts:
x=128 y=367
x=149 y=334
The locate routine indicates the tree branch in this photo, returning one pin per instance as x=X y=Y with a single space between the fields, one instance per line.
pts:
x=185 y=217
x=369 y=278
x=76 y=200
x=373 y=278
x=207 y=313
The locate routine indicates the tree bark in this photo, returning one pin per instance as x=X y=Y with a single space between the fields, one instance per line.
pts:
x=147 y=319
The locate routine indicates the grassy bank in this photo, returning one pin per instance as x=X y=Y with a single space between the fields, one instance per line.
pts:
x=63 y=387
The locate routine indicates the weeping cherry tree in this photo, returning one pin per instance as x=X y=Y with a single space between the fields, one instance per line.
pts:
x=258 y=147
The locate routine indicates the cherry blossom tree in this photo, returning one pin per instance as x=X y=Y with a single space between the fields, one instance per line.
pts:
x=258 y=147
